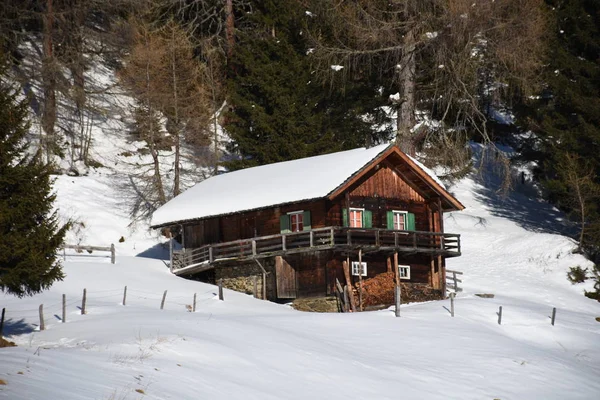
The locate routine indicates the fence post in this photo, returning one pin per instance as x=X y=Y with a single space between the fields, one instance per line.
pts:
x=360 y=270
x=194 y=304
x=221 y=289
x=398 y=299
x=455 y=282
x=42 y=325
x=500 y=315
x=83 y=300
x=553 y=315
x=171 y=252
x=2 y=322
x=452 y=295
x=162 y=303
x=125 y=296
x=254 y=247
x=112 y=253
x=64 y=308
x=347 y=299
x=255 y=286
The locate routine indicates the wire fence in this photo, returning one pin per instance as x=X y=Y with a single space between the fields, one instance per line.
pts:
x=17 y=320
x=20 y=320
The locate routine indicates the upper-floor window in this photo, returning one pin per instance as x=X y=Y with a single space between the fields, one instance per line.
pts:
x=356 y=217
x=295 y=221
x=401 y=220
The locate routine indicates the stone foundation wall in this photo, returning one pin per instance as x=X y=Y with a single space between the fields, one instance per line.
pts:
x=241 y=277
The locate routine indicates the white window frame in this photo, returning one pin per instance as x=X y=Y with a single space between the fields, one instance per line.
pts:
x=301 y=212
x=405 y=218
x=407 y=269
x=355 y=268
x=362 y=217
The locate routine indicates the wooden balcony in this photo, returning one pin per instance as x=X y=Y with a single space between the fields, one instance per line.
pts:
x=199 y=259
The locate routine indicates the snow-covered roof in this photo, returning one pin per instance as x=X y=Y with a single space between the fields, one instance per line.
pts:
x=268 y=185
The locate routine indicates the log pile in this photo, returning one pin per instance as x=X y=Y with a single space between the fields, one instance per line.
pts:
x=379 y=290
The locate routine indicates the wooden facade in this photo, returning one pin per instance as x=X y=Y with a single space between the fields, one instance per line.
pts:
x=307 y=263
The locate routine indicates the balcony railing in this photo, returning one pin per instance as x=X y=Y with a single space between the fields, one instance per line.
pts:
x=368 y=239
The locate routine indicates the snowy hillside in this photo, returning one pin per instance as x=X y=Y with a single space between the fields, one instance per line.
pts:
x=252 y=349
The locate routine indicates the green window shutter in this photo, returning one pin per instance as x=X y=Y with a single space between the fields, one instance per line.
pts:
x=410 y=222
x=368 y=219
x=306 y=221
x=390 y=220
x=284 y=223
x=345 y=216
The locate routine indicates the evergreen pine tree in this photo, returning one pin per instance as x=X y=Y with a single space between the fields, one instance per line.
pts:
x=566 y=118
x=566 y=121
x=29 y=232
x=280 y=109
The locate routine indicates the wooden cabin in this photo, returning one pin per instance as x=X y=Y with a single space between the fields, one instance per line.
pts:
x=290 y=227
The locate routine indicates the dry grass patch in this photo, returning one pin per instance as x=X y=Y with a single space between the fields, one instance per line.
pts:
x=2 y=382
x=6 y=343
x=141 y=391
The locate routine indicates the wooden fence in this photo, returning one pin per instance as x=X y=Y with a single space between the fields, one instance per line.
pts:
x=90 y=249
x=452 y=281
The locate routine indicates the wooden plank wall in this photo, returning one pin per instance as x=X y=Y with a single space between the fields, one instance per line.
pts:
x=384 y=182
x=311 y=272
x=250 y=224
x=285 y=276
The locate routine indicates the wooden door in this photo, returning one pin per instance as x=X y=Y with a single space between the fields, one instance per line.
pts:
x=286 y=279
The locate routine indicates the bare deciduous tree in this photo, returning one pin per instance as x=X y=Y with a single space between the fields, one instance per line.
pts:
x=454 y=44
x=582 y=192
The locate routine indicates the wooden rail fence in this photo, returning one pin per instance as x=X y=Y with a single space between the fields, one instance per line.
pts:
x=453 y=281
x=90 y=249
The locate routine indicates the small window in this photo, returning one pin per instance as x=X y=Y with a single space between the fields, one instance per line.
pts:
x=356 y=217
x=356 y=268
x=404 y=271
x=296 y=221
x=400 y=220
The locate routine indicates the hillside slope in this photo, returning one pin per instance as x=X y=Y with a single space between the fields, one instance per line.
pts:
x=248 y=348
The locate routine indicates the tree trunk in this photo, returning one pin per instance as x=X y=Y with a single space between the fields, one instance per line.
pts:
x=49 y=81
x=229 y=28
x=158 y=185
x=176 y=124
x=406 y=108
x=77 y=68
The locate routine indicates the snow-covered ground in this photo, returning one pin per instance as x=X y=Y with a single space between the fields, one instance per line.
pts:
x=253 y=349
